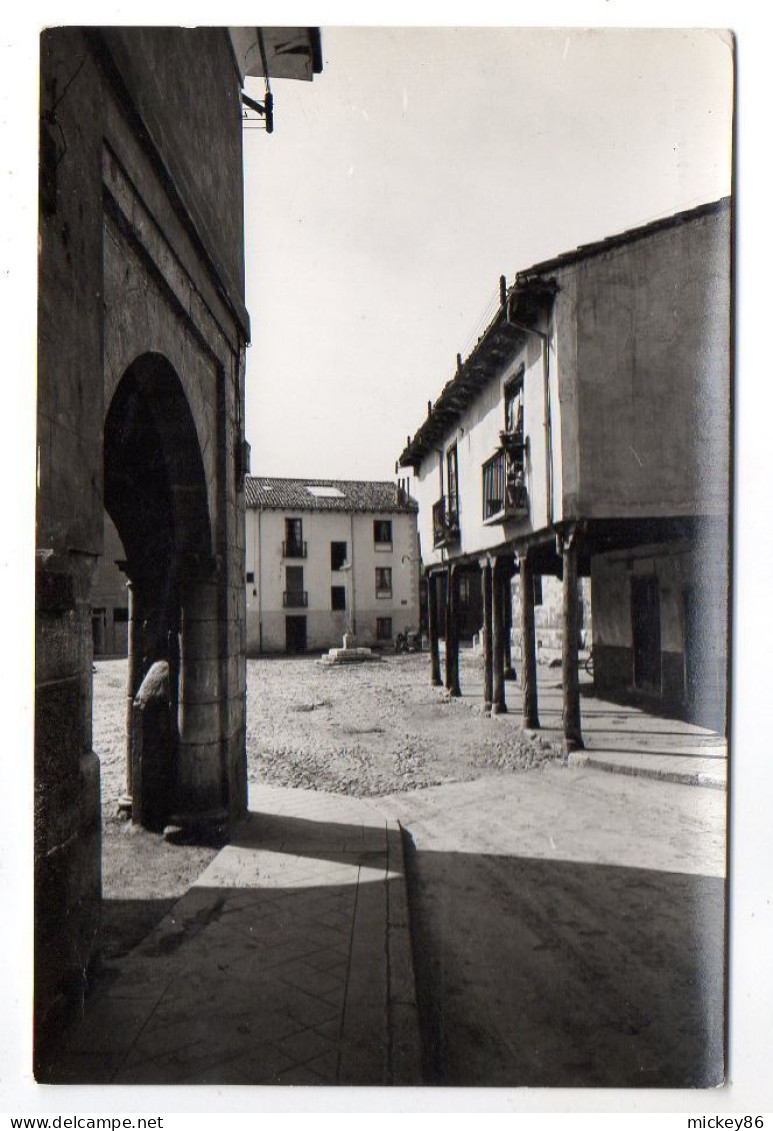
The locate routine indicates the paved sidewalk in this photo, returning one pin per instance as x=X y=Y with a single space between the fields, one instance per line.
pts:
x=620 y=737
x=288 y=962
x=569 y=929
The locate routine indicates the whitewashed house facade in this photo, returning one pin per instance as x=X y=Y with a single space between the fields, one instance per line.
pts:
x=588 y=435
x=325 y=557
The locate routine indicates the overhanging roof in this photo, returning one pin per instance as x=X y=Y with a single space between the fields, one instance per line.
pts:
x=500 y=339
x=290 y=52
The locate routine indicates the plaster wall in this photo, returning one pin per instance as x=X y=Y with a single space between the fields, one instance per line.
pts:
x=652 y=372
x=476 y=435
x=266 y=614
x=639 y=393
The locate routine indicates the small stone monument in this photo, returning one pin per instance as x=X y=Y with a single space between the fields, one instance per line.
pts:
x=349 y=654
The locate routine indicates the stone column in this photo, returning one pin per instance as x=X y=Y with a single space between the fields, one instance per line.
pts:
x=452 y=633
x=432 y=629
x=528 y=645
x=199 y=784
x=486 y=593
x=498 y=704
x=133 y=681
x=569 y=659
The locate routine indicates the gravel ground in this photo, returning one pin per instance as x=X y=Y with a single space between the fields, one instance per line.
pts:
x=373 y=729
x=364 y=730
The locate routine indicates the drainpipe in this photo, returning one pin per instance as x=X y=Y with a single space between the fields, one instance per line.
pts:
x=259 y=556
x=545 y=343
x=354 y=606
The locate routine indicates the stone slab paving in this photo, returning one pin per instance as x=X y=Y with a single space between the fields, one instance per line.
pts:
x=288 y=962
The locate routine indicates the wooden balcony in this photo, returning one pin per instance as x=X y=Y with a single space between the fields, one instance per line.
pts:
x=445 y=523
x=504 y=489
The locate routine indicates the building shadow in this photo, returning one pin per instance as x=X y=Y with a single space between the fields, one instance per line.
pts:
x=553 y=973
x=529 y=972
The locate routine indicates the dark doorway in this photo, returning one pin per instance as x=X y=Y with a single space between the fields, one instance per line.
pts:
x=645 y=617
x=295 y=634
x=470 y=603
x=156 y=496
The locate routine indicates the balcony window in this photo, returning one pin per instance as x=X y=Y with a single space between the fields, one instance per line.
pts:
x=445 y=524
x=504 y=487
x=295 y=596
x=293 y=545
x=452 y=498
x=514 y=404
x=382 y=534
x=337 y=555
x=383 y=582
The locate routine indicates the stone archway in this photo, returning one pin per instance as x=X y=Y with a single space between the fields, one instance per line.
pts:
x=156 y=495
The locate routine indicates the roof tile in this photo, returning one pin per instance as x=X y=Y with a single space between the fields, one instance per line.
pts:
x=267 y=493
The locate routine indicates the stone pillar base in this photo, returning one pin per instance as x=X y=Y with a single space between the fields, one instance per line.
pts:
x=572 y=744
x=211 y=826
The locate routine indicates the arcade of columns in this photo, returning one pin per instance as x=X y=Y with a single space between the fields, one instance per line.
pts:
x=496 y=570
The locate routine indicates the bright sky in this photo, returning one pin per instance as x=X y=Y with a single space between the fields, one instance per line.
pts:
x=415 y=170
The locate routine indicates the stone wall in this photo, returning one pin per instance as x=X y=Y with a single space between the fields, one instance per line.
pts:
x=140 y=257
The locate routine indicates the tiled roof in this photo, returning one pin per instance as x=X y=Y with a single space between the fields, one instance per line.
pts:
x=265 y=493
x=498 y=341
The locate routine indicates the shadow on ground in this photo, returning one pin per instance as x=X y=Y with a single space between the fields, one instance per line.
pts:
x=550 y=973
x=530 y=972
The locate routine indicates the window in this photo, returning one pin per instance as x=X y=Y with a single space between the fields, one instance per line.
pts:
x=514 y=404
x=383 y=628
x=337 y=555
x=250 y=577
x=452 y=502
x=338 y=597
x=295 y=596
x=294 y=576
x=382 y=532
x=325 y=491
x=293 y=545
x=383 y=582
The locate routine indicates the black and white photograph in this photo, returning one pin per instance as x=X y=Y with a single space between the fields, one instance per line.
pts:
x=384 y=473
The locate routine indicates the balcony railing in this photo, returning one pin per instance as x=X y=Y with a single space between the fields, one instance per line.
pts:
x=504 y=489
x=295 y=598
x=293 y=549
x=445 y=522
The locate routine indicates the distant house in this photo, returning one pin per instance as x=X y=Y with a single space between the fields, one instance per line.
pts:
x=110 y=598
x=325 y=557
x=588 y=435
